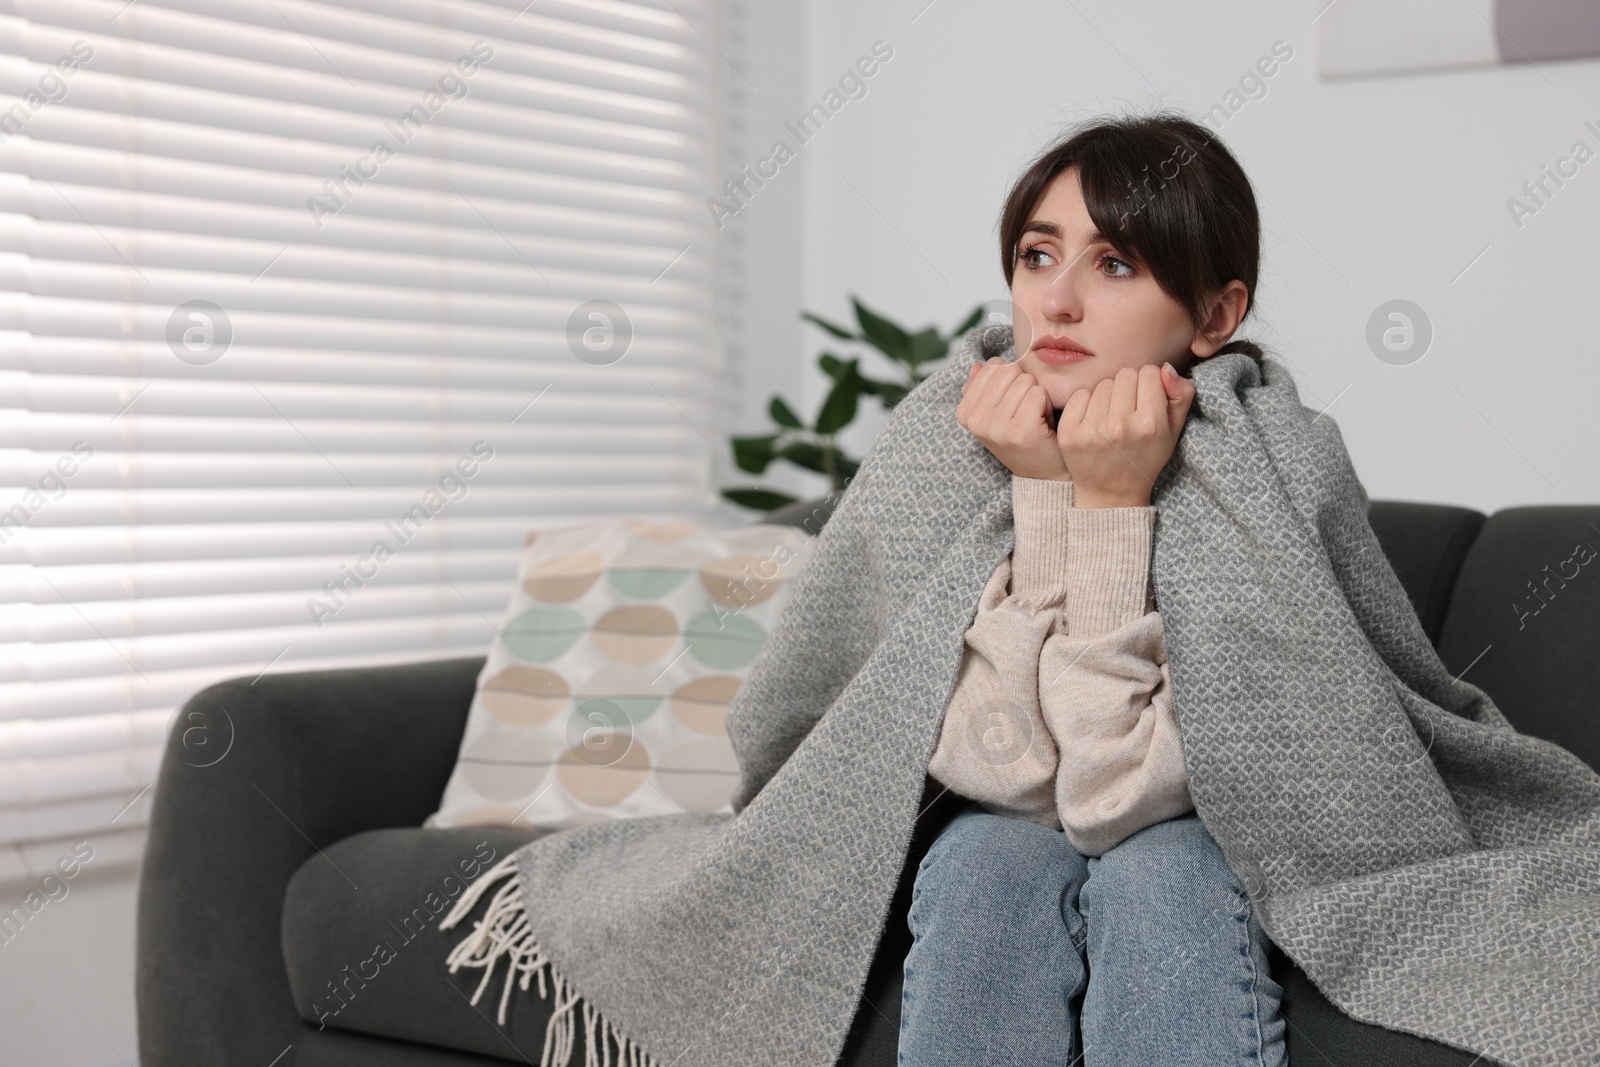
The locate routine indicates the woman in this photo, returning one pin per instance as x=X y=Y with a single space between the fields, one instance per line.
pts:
x=1429 y=868
x=1078 y=891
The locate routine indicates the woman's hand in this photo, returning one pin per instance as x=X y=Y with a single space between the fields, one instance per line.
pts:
x=1115 y=439
x=1009 y=411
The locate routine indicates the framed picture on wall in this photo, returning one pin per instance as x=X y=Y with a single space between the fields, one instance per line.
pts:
x=1363 y=37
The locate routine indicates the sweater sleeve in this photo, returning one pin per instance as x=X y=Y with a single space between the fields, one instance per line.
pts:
x=1105 y=690
x=994 y=745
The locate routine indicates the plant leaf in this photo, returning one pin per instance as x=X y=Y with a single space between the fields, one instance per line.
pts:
x=805 y=454
x=928 y=345
x=882 y=334
x=783 y=416
x=758 y=499
x=837 y=331
x=753 y=454
x=871 y=386
x=840 y=407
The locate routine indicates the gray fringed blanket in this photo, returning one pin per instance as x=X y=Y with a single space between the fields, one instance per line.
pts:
x=1430 y=868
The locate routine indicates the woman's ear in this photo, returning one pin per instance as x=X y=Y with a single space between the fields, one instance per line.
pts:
x=1205 y=344
x=1223 y=316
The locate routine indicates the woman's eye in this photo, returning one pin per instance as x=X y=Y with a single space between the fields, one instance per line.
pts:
x=1027 y=255
x=1117 y=267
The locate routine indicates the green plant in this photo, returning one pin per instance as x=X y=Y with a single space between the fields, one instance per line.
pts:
x=816 y=447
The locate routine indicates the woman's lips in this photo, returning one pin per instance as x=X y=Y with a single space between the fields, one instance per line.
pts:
x=1050 y=354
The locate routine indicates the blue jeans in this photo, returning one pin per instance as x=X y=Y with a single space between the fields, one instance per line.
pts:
x=1152 y=951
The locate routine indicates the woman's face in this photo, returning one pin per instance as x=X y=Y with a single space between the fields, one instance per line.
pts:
x=1081 y=310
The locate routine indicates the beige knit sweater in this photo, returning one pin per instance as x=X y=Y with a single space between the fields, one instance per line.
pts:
x=1062 y=710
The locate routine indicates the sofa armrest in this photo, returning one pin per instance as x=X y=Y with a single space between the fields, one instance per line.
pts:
x=257 y=777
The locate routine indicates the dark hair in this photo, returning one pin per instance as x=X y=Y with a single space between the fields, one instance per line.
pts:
x=1164 y=190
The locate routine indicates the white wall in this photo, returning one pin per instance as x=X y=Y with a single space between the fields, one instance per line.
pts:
x=1371 y=190
x=764 y=246
x=66 y=978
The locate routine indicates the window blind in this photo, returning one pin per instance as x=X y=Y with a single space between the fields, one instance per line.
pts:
x=308 y=312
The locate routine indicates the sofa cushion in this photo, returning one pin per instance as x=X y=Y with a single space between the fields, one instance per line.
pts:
x=1524 y=618
x=364 y=951
x=1320 y=1035
x=391 y=887
x=341 y=1048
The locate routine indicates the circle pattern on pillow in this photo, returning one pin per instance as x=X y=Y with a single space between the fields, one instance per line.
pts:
x=626 y=686
x=524 y=696
x=635 y=633
x=508 y=764
x=701 y=705
x=740 y=581
x=600 y=734
x=563 y=579
x=726 y=642
x=605 y=692
x=609 y=781
x=541 y=634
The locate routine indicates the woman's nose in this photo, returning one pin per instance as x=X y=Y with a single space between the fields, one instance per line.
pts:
x=1062 y=298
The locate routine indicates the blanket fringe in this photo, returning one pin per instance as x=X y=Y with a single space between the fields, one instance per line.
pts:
x=504 y=931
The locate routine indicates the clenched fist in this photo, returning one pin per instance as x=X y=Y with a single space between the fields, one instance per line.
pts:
x=1009 y=411
x=1111 y=441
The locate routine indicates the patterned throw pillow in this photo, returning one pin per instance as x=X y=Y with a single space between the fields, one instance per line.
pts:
x=604 y=693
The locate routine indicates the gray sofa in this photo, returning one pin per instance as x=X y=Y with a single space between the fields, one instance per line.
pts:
x=272 y=874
